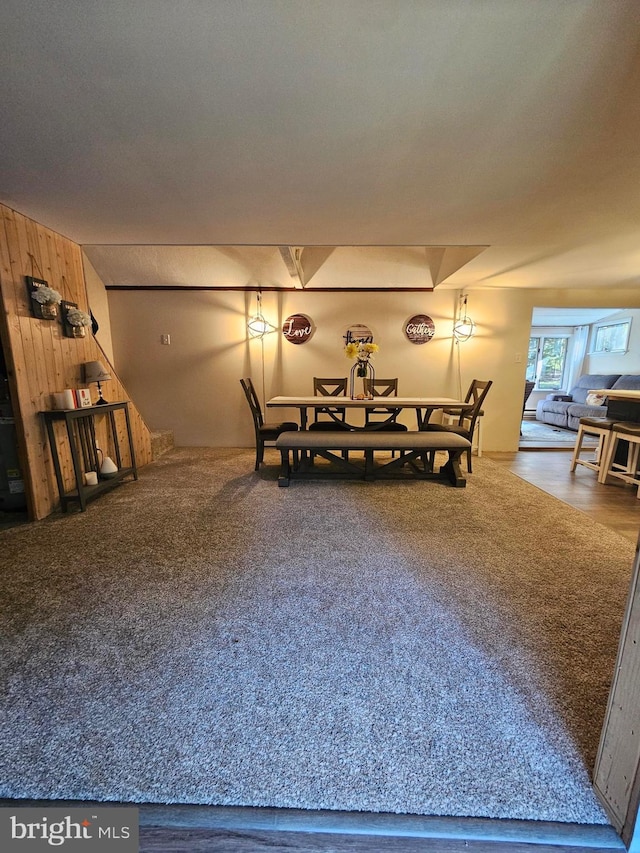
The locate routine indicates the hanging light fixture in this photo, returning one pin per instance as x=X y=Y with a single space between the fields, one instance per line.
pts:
x=257 y=325
x=463 y=327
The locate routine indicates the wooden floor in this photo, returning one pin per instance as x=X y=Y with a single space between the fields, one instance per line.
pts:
x=227 y=841
x=615 y=505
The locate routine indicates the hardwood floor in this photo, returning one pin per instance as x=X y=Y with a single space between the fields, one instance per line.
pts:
x=253 y=841
x=615 y=505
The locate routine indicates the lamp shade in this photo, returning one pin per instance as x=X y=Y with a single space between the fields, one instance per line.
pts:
x=257 y=326
x=95 y=371
x=464 y=328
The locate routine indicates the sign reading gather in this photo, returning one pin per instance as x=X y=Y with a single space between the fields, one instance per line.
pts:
x=419 y=329
x=297 y=329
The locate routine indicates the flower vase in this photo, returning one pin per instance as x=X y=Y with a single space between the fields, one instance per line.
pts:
x=361 y=370
x=78 y=331
x=48 y=310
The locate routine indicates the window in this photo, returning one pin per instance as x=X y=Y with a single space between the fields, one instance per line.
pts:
x=546 y=361
x=612 y=337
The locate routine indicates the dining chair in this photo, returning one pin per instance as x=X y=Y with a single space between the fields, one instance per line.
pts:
x=337 y=415
x=381 y=418
x=452 y=416
x=465 y=420
x=528 y=388
x=338 y=418
x=265 y=432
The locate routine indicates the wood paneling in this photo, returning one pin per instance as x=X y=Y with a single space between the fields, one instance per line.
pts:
x=617 y=770
x=40 y=359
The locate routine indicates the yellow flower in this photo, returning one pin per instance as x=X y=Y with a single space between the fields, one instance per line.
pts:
x=351 y=350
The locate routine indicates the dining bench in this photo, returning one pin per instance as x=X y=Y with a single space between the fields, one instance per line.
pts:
x=417 y=450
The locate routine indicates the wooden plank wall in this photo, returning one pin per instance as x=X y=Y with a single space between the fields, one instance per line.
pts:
x=617 y=770
x=40 y=359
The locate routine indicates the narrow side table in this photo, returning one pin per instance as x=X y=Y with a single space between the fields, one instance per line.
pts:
x=80 y=427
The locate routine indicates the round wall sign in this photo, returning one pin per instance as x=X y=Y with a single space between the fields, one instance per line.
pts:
x=358 y=332
x=419 y=329
x=297 y=329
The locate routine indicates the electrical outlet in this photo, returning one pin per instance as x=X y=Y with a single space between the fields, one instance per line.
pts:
x=165 y=339
x=518 y=357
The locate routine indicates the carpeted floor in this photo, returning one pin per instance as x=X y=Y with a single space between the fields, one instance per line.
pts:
x=203 y=636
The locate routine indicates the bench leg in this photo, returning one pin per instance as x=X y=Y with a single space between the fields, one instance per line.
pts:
x=368 y=465
x=451 y=469
x=284 y=477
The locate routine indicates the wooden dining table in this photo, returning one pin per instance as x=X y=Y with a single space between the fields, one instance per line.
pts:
x=423 y=407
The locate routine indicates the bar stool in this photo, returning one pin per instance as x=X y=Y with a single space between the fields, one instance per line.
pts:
x=602 y=428
x=628 y=431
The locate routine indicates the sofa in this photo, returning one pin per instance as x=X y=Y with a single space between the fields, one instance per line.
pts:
x=565 y=410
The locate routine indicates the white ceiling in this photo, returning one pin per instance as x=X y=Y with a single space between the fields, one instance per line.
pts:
x=150 y=131
x=570 y=316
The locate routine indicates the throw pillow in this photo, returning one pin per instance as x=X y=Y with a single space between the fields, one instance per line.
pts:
x=596 y=399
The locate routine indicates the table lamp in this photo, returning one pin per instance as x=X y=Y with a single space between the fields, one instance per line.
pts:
x=94 y=371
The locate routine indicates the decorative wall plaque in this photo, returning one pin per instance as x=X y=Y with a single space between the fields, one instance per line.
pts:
x=297 y=329
x=358 y=332
x=44 y=300
x=419 y=329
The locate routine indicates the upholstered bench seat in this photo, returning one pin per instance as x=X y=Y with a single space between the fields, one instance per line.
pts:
x=417 y=451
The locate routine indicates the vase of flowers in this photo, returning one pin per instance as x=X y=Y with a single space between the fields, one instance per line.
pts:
x=45 y=302
x=77 y=322
x=363 y=368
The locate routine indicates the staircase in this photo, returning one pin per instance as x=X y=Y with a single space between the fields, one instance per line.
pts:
x=161 y=442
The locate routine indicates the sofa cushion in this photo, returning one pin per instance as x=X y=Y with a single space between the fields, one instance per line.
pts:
x=627 y=382
x=558 y=407
x=592 y=381
x=578 y=410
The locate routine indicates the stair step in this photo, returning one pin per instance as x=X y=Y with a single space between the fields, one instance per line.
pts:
x=161 y=442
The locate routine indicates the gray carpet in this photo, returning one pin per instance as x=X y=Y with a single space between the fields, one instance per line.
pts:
x=546 y=434
x=203 y=636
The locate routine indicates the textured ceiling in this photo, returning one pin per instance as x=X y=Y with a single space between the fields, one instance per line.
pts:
x=173 y=127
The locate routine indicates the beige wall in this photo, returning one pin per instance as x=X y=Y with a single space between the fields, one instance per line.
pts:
x=192 y=385
x=99 y=305
x=627 y=362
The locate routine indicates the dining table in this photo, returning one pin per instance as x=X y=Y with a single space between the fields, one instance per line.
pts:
x=423 y=407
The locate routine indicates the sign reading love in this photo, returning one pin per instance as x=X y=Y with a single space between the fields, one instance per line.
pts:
x=297 y=329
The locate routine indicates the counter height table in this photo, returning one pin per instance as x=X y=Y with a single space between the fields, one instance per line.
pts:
x=621 y=405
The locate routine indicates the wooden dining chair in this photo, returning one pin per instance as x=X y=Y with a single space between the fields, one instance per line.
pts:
x=452 y=416
x=265 y=432
x=334 y=416
x=465 y=420
x=380 y=418
x=528 y=388
x=380 y=415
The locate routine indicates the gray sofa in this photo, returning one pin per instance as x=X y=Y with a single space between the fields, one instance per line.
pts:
x=565 y=410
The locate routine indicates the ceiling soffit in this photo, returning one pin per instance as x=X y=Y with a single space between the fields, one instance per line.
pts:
x=281 y=267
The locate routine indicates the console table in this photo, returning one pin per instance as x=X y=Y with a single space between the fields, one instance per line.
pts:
x=80 y=425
